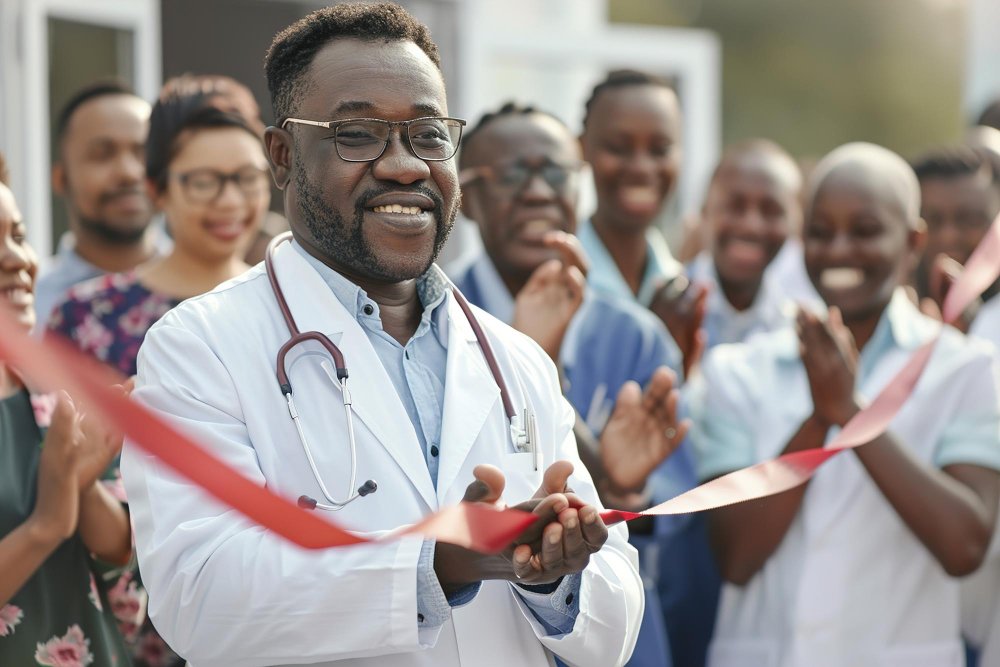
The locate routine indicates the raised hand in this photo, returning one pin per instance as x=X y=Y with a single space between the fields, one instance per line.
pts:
x=682 y=306
x=830 y=358
x=642 y=432
x=57 y=506
x=547 y=303
x=944 y=271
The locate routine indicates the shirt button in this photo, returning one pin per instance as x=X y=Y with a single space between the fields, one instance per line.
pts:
x=367 y=309
x=569 y=599
x=434 y=450
x=420 y=618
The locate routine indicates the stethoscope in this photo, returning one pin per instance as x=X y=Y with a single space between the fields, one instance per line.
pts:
x=523 y=431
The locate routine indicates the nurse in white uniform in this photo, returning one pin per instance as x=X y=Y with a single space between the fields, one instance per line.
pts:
x=859 y=566
x=365 y=157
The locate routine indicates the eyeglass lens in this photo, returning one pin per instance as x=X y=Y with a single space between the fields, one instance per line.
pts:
x=430 y=139
x=516 y=176
x=206 y=185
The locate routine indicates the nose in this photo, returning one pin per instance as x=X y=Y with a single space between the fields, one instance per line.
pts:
x=642 y=164
x=537 y=189
x=131 y=166
x=839 y=249
x=752 y=221
x=398 y=163
x=15 y=257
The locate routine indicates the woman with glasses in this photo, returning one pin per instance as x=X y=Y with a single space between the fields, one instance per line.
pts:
x=206 y=171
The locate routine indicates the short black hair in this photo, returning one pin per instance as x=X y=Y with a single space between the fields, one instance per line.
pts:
x=509 y=108
x=990 y=117
x=620 y=78
x=102 y=88
x=295 y=47
x=4 y=173
x=176 y=113
x=956 y=161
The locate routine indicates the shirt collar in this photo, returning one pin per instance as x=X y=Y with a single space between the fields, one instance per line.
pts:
x=496 y=298
x=432 y=290
x=605 y=276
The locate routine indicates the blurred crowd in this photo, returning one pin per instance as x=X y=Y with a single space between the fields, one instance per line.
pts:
x=803 y=284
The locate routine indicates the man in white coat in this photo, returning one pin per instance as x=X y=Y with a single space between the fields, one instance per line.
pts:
x=364 y=154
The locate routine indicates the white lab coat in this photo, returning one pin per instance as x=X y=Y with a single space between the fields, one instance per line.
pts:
x=850 y=585
x=226 y=592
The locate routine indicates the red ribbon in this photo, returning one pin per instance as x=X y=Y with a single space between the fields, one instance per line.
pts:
x=790 y=470
x=474 y=526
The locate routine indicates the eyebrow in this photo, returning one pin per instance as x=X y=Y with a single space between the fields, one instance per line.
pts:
x=357 y=106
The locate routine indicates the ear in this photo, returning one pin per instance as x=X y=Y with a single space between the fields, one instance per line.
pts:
x=917 y=238
x=59 y=179
x=471 y=207
x=279 y=147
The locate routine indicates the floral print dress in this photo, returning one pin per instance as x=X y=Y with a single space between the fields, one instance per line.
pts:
x=107 y=318
x=61 y=617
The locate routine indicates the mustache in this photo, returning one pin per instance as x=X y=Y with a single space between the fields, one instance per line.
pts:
x=122 y=192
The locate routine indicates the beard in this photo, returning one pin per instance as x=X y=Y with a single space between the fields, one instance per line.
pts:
x=108 y=233
x=346 y=244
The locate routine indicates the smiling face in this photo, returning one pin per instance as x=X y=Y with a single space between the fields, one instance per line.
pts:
x=958 y=211
x=101 y=168
x=857 y=243
x=18 y=262
x=632 y=142
x=514 y=217
x=215 y=228
x=751 y=207
x=383 y=221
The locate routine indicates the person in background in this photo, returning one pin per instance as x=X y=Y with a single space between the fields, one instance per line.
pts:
x=751 y=208
x=58 y=522
x=632 y=141
x=208 y=175
x=519 y=169
x=960 y=199
x=230 y=95
x=859 y=566
x=99 y=173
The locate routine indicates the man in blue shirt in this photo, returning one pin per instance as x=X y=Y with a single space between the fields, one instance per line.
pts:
x=519 y=169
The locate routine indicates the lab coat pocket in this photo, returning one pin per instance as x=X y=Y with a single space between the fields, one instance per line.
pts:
x=742 y=653
x=521 y=477
x=936 y=654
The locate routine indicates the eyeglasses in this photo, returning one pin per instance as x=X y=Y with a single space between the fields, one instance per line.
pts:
x=513 y=178
x=204 y=186
x=364 y=139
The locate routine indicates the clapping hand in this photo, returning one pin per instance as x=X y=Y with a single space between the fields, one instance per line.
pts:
x=547 y=303
x=830 y=357
x=642 y=432
x=682 y=306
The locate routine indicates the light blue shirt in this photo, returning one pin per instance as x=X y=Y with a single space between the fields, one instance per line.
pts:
x=724 y=324
x=417 y=370
x=604 y=275
x=751 y=398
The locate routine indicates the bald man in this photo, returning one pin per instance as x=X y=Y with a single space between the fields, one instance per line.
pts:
x=751 y=209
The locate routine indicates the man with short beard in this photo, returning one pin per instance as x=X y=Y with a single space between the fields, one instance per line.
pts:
x=99 y=172
x=364 y=152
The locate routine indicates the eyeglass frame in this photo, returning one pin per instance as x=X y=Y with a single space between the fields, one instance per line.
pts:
x=222 y=179
x=489 y=173
x=335 y=124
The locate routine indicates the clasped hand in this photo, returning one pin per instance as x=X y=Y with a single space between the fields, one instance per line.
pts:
x=559 y=543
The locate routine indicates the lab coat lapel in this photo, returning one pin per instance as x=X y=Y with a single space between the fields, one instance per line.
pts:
x=375 y=401
x=470 y=395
